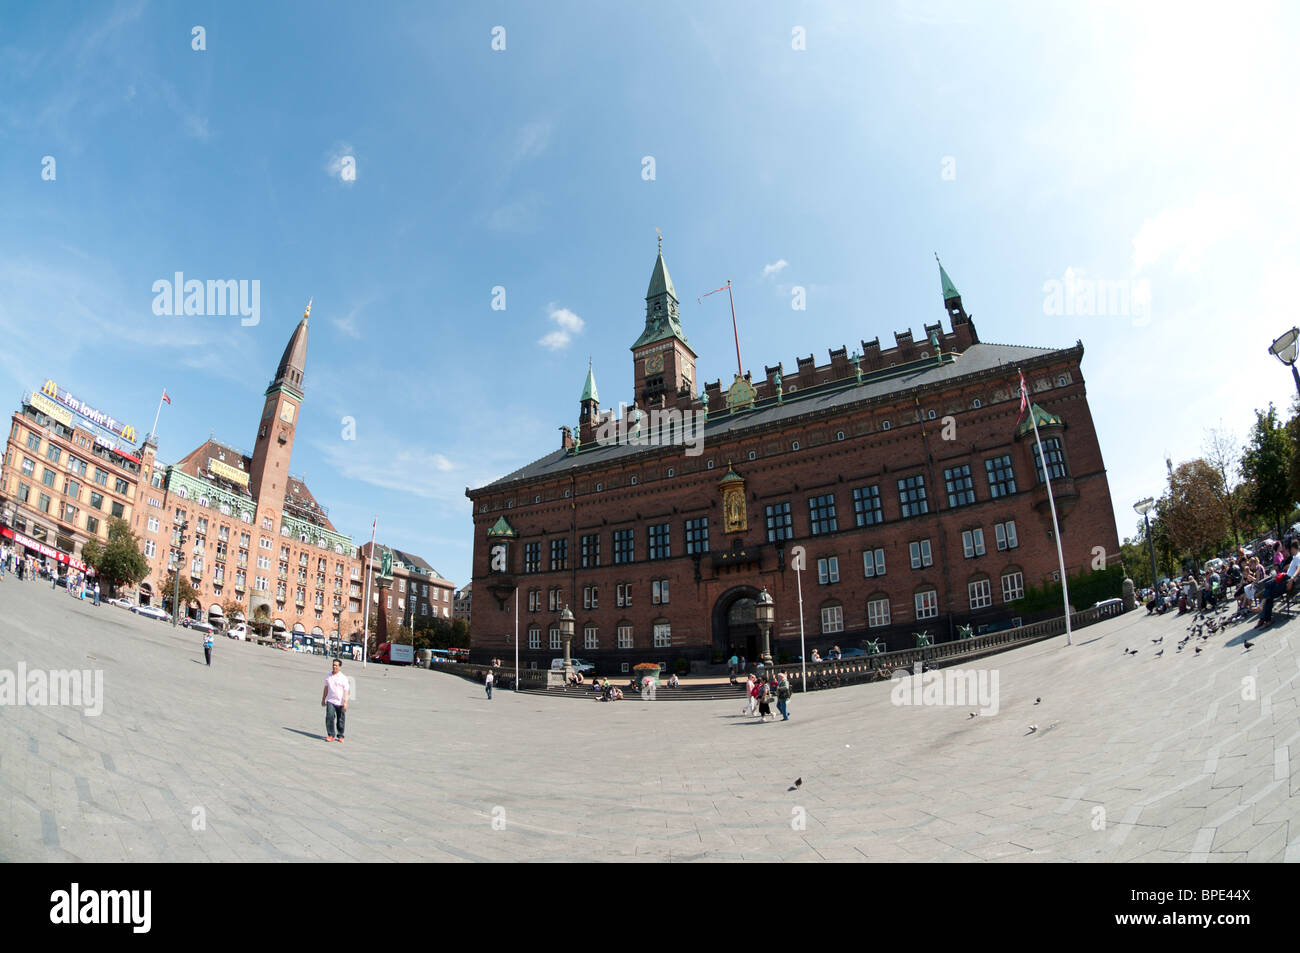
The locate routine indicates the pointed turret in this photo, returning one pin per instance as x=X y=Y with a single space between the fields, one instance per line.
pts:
x=962 y=326
x=662 y=319
x=293 y=363
x=589 y=409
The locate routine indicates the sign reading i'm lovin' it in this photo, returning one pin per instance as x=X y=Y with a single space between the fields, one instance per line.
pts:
x=97 y=417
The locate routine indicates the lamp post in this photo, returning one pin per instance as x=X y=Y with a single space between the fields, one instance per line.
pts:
x=1144 y=507
x=566 y=633
x=1285 y=350
x=180 y=564
x=764 y=613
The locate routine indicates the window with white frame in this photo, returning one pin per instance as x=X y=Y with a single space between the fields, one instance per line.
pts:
x=927 y=604
x=877 y=613
x=623 y=594
x=832 y=619
x=590 y=597
x=873 y=563
x=534 y=637
x=555 y=639
x=624 y=636
x=981 y=597
x=828 y=570
x=972 y=543
x=919 y=550
x=589 y=637
x=659 y=592
x=1006 y=535
x=663 y=635
x=1013 y=586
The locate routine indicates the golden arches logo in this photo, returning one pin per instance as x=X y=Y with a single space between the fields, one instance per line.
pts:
x=128 y=433
x=50 y=388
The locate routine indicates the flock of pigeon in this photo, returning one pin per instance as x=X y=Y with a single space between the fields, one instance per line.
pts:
x=1210 y=624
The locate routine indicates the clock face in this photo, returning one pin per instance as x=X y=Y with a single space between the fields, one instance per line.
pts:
x=654 y=364
x=286 y=413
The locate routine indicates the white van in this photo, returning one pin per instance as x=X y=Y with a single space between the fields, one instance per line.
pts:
x=579 y=665
x=239 y=631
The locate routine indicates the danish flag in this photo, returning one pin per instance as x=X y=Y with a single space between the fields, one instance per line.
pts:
x=166 y=399
x=1024 y=396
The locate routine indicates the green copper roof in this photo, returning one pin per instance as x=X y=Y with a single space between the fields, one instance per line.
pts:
x=660 y=281
x=731 y=477
x=949 y=289
x=501 y=528
x=589 y=390
x=1043 y=418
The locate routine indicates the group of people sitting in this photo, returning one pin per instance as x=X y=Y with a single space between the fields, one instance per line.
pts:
x=1253 y=580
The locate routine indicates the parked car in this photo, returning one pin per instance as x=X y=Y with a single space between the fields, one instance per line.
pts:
x=121 y=603
x=202 y=627
x=152 y=612
x=579 y=665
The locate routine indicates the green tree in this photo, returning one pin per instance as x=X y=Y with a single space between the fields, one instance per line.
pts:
x=1267 y=468
x=119 y=561
x=1223 y=454
x=188 y=593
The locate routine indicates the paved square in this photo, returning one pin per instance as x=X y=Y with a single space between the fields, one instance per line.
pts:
x=1181 y=757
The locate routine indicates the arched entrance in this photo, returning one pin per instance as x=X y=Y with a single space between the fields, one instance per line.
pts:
x=734 y=630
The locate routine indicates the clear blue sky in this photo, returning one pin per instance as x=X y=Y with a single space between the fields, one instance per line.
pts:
x=1148 y=144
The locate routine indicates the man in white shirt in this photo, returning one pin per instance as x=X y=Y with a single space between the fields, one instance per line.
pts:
x=334 y=699
x=1280 y=586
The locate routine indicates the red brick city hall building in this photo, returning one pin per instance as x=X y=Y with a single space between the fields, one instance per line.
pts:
x=904 y=472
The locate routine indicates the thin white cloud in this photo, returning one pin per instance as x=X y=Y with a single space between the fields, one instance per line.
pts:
x=568 y=323
x=775 y=268
x=533 y=140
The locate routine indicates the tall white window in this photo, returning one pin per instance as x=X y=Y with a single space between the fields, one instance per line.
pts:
x=1006 y=535
x=877 y=613
x=534 y=637
x=927 y=604
x=873 y=562
x=828 y=570
x=659 y=591
x=1013 y=586
x=589 y=639
x=555 y=639
x=624 y=636
x=663 y=635
x=980 y=595
x=920 y=553
x=832 y=619
x=972 y=543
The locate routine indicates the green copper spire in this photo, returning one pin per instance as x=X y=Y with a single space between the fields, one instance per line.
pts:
x=949 y=289
x=589 y=390
x=662 y=319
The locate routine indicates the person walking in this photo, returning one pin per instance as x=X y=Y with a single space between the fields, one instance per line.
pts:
x=54 y=579
x=207 y=649
x=783 y=696
x=764 y=701
x=487 y=684
x=334 y=699
x=97 y=593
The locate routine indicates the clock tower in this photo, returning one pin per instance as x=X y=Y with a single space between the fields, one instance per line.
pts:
x=270 y=466
x=664 y=364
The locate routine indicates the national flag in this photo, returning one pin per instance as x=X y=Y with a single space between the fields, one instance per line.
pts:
x=1024 y=396
x=166 y=399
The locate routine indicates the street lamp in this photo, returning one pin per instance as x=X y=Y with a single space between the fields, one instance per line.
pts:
x=764 y=613
x=1144 y=507
x=180 y=564
x=566 y=633
x=1285 y=350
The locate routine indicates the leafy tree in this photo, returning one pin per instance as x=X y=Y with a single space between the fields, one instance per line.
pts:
x=1223 y=455
x=261 y=621
x=119 y=561
x=1194 y=511
x=188 y=593
x=230 y=608
x=1267 y=467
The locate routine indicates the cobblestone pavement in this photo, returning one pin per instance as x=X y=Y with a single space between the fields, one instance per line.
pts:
x=1178 y=757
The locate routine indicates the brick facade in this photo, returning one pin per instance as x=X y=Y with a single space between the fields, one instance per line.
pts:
x=898 y=414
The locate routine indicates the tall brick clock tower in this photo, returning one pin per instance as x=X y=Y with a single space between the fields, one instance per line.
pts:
x=270 y=469
x=664 y=363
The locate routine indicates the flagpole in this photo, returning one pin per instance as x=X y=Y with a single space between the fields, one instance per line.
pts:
x=516 y=639
x=1051 y=502
x=154 y=432
x=365 y=608
x=734 y=330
